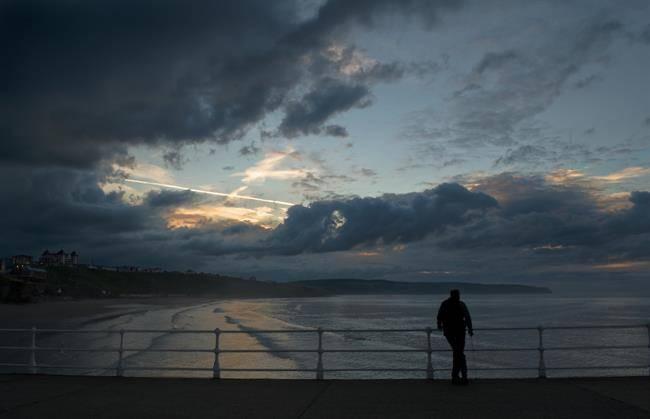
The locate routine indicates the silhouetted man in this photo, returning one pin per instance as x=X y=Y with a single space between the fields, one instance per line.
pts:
x=453 y=318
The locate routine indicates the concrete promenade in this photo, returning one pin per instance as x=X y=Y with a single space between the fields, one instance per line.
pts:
x=24 y=396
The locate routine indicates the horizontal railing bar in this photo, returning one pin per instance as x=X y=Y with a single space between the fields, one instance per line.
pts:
x=80 y=331
x=423 y=330
x=53 y=349
x=561 y=348
x=7 y=330
x=59 y=330
x=221 y=350
x=423 y=369
x=33 y=366
x=495 y=349
x=268 y=369
x=165 y=369
x=607 y=326
x=143 y=350
x=89 y=367
x=75 y=367
x=609 y=367
x=376 y=350
x=210 y=369
x=235 y=351
x=86 y=367
x=488 y=329
x=204 y=331
x=549 y=368
x=272 y=331
x=64 y=349
x=500 y=369
x=170 y=331
x=204 y=350
x=432 y=350
x=377 y=369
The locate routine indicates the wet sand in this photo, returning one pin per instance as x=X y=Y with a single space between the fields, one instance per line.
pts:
x=135 y=313
x=77 y=313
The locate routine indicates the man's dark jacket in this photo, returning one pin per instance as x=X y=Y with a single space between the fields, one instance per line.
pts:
x=454 y=317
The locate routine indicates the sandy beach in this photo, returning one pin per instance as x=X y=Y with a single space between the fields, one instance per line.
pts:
x=145 y=313
x=76 y=313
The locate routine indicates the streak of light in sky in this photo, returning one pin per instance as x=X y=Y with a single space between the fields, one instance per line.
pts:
x=201 y=191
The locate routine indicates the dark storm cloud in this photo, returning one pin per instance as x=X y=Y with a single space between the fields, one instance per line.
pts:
x=537 y=215
x=327 y=98
x=635 y=220
x=334 y=13
x=121 y=72
x=65 y=208
x=508 y=213
x=310 y=182
x=587 y=81
x=336 y=225
x=336 y=131
x=168 y=198
x=315 y=186
x=527 y=154
x=519 y=194
x=493 y=113
x=500 y=97
x=84 y=81
x=174 y=159
x=558 y=151
x=364 y=171
x=511 y=224
x=81 y=81
x=494 y=61
x=249 y=150
x=49 y=204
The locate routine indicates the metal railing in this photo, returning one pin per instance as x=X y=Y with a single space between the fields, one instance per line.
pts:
x=429 y=372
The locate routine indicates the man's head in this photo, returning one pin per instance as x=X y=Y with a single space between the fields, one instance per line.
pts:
x=455 y=294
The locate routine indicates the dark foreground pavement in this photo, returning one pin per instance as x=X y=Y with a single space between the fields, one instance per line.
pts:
x=23 y=396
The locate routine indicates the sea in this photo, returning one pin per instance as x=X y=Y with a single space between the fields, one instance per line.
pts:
x=490 y=353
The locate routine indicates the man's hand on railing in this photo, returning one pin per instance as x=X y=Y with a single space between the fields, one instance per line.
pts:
x=470 y=332
x=439 y=326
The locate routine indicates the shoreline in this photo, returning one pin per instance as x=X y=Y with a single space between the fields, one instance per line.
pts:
x=107 y=312
x=248 y=316
x=74 y=313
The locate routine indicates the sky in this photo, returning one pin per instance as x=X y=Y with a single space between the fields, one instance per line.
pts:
x=438 y=140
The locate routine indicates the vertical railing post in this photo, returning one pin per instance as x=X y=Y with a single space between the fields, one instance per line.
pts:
x=216 y=367
x=319 y=364
x=120 y=360
x=648 y=327
x=32 y=353
x=542 y=364
x=429 y=363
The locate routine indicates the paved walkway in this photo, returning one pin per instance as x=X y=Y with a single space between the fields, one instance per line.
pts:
x=23 y=396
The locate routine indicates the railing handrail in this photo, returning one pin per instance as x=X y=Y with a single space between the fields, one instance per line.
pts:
x=216 y=369
x=315 y=330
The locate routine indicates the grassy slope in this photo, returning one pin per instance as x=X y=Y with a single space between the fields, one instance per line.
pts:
x=84 y=282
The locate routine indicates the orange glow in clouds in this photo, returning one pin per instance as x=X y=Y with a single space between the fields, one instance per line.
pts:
x=199 y=216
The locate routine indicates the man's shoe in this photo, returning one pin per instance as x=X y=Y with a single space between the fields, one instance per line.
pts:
x=464 y=381
x=455 y=381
